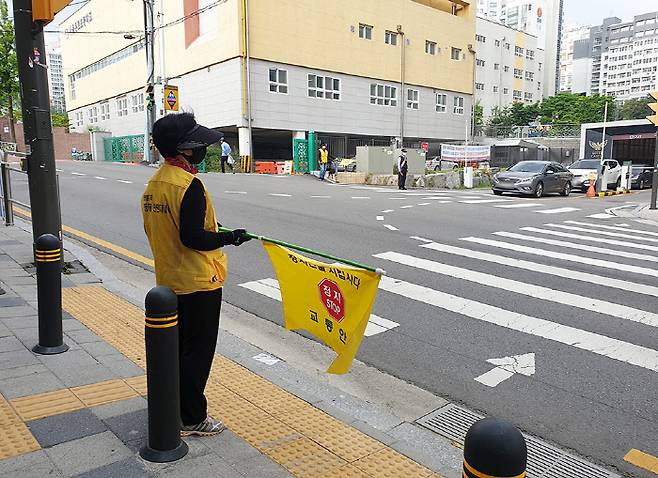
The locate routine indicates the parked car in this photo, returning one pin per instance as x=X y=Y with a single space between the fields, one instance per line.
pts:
x=347 y=164
x=641 y=176
x=437 y=164
x=534 y=178
x=583 y=168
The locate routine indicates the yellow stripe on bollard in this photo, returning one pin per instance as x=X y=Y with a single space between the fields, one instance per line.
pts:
x=161 y=326
x=478 y=474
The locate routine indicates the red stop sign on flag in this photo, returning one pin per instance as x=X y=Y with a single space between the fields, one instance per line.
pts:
x=332 y=299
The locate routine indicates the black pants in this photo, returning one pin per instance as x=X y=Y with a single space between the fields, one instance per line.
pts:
x=224 y=160
x=402 y=178
x=198 y=324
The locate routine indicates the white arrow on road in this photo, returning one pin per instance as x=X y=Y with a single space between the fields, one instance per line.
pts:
x=507 y=367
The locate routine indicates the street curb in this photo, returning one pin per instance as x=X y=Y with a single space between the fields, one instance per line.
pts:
x=612 y=193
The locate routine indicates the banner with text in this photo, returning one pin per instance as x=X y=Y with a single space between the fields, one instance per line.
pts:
x=331 y=302
x=460 y=152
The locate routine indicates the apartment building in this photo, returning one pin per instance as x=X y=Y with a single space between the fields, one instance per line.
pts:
x=333 y=67
x=570 y=35
x=509 y=66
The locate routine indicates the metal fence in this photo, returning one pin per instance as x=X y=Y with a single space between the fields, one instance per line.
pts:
x=124 y=149
x=539 y=131
x=7 y=204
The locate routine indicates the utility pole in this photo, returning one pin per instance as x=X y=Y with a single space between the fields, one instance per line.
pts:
x=149 y=32
x=654 y=120
x=403 y=97
x=35 y=99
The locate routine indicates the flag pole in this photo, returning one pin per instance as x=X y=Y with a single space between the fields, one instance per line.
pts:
x=311 y=251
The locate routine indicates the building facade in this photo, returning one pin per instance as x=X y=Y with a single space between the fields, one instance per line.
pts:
x=508 y=67
x=618 y=58
x=335 y=68
x=570 y=35
x=56 y=82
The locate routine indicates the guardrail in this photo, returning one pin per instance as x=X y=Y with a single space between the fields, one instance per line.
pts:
x=5 y=187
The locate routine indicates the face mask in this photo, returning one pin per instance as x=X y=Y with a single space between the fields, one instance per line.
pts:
x=198 y=154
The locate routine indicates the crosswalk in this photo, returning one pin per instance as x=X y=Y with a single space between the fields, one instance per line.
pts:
x=591 y=254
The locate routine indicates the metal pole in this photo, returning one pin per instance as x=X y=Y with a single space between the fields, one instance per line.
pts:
x=161 y=47
x=6 y=194
x=40 y=153
x=150 y=81
x=251 y=162
x=654 y=183
x=403 y=98
x=600 y=179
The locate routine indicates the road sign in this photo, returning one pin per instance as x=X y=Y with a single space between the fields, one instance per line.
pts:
x=332 y=299
x=425 y=147
x=45 y=10
x=171 y=98
x=654 y=107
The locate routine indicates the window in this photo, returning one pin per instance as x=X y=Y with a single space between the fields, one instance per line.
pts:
x=518 y=73
x=480 y=38
x=93 y=115
x=365 y=31
x=539 y=85
x=430 y=47
x=138 y=103
x=383 y=95
x=530 y=76
x=479 y=86
x=506 y=69
x=456 y=53
x=390 y=38
x=325 y=87
x=412 y=99
x=458 y=105
x=516 y=94
x=507 y=46
x=278 y=80
x=479 y=62
x=496 y=66
x=78 y=118
x=530 y=54
x=527 y=96
x=122 y=106
x=539 y=66
x=518 y=51
x=441 y=101
x=506 y=91
x=495 y=89
x=105 y=111
x=497 y=42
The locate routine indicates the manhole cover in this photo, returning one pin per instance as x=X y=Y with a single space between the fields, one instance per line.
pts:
x=544 y=460
x=73 y=267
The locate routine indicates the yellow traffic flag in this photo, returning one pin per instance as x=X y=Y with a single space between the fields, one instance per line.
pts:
x=331 y=302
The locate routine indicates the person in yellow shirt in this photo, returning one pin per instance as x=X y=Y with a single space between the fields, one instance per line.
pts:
x=324 y=160
x=182 y=230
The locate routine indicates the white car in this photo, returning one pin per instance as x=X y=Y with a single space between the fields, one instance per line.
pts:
x=583 y=168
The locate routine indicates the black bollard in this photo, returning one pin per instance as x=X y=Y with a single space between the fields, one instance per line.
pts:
x=48 y=261
x=162 y=377
x=494 y=448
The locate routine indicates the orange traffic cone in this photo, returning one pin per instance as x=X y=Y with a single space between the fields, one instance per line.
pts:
x=591 y=192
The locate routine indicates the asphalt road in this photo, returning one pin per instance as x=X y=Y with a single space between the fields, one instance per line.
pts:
x=467 y=282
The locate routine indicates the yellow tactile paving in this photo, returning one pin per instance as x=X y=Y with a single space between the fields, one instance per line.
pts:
x=15 y=438
x=46 y=404
x=642 y=460
x=303 y=439
x=104 y=392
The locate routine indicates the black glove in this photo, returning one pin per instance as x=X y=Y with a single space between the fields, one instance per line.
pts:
x=239 y=236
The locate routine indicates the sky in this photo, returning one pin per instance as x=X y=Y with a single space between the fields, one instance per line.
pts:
x=592 y=12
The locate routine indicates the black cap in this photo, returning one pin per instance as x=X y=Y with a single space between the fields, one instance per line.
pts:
x=198 y=137
x=174 y=132
x=404 y=150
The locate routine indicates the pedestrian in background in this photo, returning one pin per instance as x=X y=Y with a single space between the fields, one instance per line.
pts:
x=403 y=167
x=324 y=160
x=182 y=230
x=226 y=155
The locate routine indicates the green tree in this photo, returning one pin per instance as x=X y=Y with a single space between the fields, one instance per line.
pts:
x=636 y=108
x=9 y=86
x=478 y=113
x=60 y=119
x=568 y=108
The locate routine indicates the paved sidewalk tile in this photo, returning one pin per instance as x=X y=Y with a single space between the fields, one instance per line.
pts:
x=120 y=365
x=12 y=301
x=89 y=453
x=25 y=322
x=261 y=467
x=30 y=465
x=30 y=384
x=129 y=426
x=17 y=358
x=129 y=468
x=66 y=427
x=120 y=408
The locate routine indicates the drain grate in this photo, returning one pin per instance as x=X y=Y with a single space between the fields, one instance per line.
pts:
x=544 y=460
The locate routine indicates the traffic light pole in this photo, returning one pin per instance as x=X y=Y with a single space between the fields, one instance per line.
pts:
x=654 y=184
x=150 y=81
x=40 y=159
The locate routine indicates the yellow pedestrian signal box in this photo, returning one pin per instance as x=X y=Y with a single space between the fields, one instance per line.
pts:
x=654 y=107
x=45 y=10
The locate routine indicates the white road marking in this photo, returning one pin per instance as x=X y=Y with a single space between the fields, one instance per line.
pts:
x=544 y=269
x=282 y=195
x=562 y=256
x=558 y=210
x=603 y=233
x=623 y=225
x=99 y=177
x=59 y=170
x=613 y=228
x=581 y=339
x=569 y=235
x=424 y=203
x=407 y=206
x=582 y=247
x=235 y=192
x=602 y=215
x=391 y=228
x=530 y=290
x=507 y=367
x=398 y=199
x=387 y=210
x=380 y=218
x=519 y=205
x=482 y=201
x=270 y=288
x=78 y=174
x=437 y=198
x=360 y=197
x=267 y=359
x=124 y=181
x=422 y=239
x=321 y=197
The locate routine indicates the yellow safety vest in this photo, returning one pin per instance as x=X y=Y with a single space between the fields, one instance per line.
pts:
x=324 y=156
x=182 y=269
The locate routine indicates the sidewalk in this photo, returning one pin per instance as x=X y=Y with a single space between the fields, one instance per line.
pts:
x=640 y=212
x=83 y=413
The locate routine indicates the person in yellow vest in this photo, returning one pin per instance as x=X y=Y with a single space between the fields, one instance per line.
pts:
x=324 y=160
x=182 y=230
